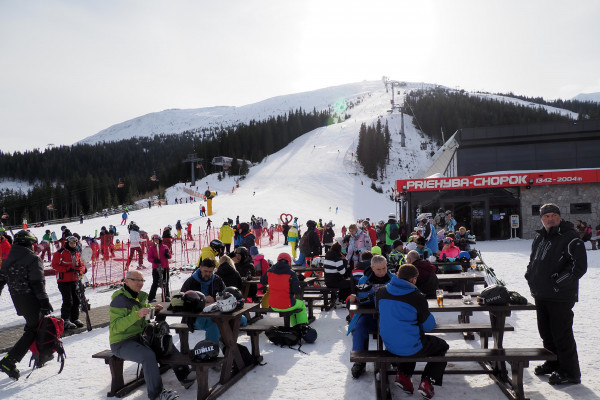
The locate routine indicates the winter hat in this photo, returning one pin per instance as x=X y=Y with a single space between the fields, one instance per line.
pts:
x=422 y=217
x=253 y=251
x=284 y=256
x=376 y=250
x=549 y=208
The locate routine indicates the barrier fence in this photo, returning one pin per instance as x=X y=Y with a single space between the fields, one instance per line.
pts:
x=109 y=263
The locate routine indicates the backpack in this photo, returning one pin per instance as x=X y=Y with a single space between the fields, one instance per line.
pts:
x=304 y=245
x=47 y=342
x=290 y=336
x=394 y=231
x=156 y=337
x=587 y=234
x=441 y=222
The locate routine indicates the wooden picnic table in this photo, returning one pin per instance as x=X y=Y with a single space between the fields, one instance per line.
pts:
x=496 y=367
x=463 y=280
x=229 y=326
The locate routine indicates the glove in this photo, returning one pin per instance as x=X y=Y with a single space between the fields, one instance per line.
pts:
x=45 y=306
x=156 y=260
x=167 y=255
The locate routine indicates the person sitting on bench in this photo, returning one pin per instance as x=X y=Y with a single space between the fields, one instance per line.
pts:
x=404 y=318
x=375 y=276
x=283 y=286
x=128 y=309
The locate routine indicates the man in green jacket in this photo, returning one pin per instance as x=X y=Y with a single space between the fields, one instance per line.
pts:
x=128 y=309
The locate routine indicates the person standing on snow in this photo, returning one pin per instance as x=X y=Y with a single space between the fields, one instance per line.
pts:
x=23 y=271
x=558 y=260
x=68 y=266
x=226 y=236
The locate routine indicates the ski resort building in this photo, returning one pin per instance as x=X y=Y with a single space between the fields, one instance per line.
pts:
x=495 y=179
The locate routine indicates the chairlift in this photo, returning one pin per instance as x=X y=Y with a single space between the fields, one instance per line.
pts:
x=154 y=178
x=121 y=184
x=50 y=207
x=5 y=216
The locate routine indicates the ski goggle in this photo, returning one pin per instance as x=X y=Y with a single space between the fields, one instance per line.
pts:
x=72 y=239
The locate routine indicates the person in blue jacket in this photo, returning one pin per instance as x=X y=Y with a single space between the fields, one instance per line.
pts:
x=375 y=276
x=404 y=318
x=429 y=234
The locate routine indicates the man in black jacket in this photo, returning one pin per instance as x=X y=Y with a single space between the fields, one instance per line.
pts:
x=23 y=271
x=558 y=260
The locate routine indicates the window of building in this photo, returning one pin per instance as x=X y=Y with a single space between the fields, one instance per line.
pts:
x=581 y=208
x=535 y=210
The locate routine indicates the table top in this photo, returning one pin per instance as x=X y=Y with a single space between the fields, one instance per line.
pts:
x=451 y=305
x=462 y=276
x=170 y=313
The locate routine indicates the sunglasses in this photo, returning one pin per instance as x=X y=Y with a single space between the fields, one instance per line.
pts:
x=137 y=280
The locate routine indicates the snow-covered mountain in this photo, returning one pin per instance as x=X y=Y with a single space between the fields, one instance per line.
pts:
x=176 y=121
x=588 y=97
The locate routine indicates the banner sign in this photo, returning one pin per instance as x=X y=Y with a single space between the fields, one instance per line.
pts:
x=499 y=180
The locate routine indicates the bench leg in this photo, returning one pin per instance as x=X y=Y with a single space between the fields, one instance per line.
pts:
x=517 y=378
x=309 y=306
x=183 y=340
x=382 y=389
x=254 y=340
x=116 y=372
x=202 y=382
x=286 y=321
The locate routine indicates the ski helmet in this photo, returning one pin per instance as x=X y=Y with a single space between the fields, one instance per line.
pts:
x=25 y=238
x=309 y=334
x=237 y=293
x=227 y=302
x=193 y=301
x=177 y=303
x=155 y=236
x=217 y=245
x=205 y=350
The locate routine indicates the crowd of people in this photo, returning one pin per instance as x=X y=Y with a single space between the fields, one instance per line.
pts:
x=370 y=263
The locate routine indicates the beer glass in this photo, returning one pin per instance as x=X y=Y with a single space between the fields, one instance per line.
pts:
x=439 y=294
x=473 y=265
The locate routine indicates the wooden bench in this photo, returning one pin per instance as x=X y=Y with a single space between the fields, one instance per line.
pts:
x=119 y=388
x=183 y=339
x=285 y=314
x=327 y=295
x=483 y=329
x=254 y=332
x=491 y=361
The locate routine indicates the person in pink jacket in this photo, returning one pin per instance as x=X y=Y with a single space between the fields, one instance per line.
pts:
x=159 y=255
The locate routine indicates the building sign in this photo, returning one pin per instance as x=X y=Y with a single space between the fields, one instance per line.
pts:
x=499 y=180
x=514 y=221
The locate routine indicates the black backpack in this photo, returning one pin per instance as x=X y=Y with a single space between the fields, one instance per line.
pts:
x=290 y=336
x=156 y=337
x=47 y=342
x=304 y=245
x=394 y=231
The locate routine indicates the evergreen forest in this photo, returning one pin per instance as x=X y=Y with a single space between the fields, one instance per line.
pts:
x=441 y=110
x=85 y=178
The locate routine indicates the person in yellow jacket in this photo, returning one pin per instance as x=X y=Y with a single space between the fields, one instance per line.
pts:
x=226 y=236
x=293 y=239
x=213 y=251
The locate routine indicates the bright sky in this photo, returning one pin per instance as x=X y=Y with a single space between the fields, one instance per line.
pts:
x=72 y=68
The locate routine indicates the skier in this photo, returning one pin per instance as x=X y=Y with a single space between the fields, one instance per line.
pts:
x=23 y=271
